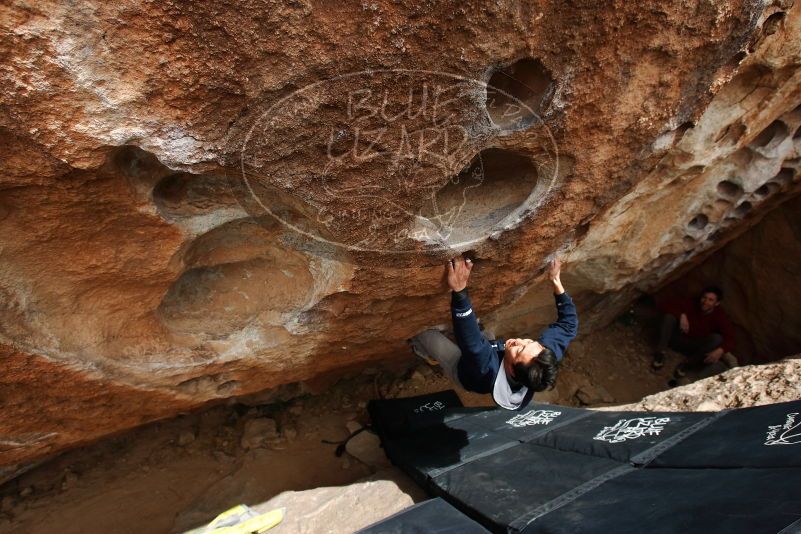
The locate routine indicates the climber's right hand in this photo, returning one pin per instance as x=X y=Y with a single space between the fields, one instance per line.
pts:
x=458 y=272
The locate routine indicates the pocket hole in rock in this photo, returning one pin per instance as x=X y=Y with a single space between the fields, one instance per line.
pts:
x=772 y=23
x=699 y=222
x=473 y=203
x=776 y=130
x=682 y=129
x=767 y=189
x=742 y=209
x=526 y=81
x=729 y=189
x=185 y=195
x=134 y=162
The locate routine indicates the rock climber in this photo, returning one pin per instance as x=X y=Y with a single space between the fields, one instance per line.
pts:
x=511 y=370
x=697 y=328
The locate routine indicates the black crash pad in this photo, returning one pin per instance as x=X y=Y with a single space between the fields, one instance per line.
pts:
x=667 y=501
x=434 y=516
x=762 y=436
x=557 y=469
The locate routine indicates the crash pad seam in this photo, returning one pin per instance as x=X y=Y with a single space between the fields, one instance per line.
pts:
x=441 y=471
x=647 y=456
x=525 y=520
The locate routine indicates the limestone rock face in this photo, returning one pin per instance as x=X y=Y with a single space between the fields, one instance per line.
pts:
x=201 y=200
x=741 y=387
x=330 y=509
x=723 y=170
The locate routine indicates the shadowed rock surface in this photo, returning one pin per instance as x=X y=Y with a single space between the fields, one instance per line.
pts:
x=755 y=272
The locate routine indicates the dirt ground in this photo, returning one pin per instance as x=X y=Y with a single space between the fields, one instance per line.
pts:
x=178 y=474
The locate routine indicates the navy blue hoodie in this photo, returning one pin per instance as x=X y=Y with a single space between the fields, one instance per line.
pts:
x=482 y=359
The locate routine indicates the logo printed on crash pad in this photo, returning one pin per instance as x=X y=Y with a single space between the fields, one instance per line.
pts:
x=630 y=429
x=430 y=407
x=533 y=418
x=787 y=434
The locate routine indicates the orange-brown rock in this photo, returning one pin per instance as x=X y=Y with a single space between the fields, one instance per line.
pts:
x=205 y=200
x=49 y=404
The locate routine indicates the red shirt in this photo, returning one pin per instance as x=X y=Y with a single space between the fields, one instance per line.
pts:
x=703 y=324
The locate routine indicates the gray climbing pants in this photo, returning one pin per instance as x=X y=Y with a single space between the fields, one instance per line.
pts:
x=435 y=345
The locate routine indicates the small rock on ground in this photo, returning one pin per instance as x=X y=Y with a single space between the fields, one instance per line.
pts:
x=259 y=433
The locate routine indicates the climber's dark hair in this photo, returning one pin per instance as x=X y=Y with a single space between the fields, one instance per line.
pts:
x=540 y=373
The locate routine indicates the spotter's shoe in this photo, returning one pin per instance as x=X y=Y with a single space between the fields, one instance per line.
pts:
x=658 y=361
x=681 y=371
x=730 y=360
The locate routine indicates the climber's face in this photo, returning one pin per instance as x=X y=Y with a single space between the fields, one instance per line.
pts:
x=521 y=351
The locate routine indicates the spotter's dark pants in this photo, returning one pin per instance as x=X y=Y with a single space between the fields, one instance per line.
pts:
x=694 y=348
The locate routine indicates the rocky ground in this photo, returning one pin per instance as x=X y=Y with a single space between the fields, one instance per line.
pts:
x=177 y=474
x=751 y=385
